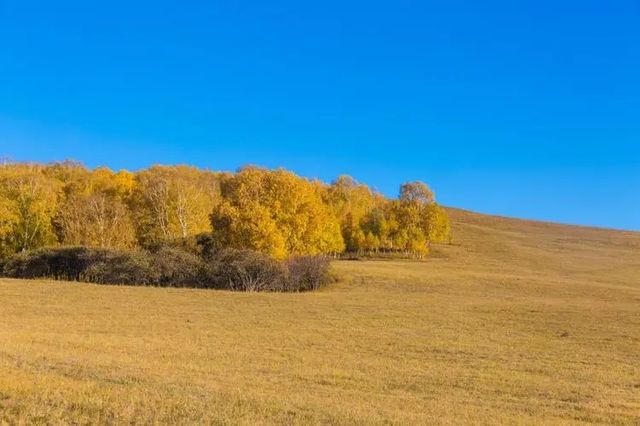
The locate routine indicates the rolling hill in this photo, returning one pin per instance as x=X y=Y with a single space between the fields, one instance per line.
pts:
x=514 y=322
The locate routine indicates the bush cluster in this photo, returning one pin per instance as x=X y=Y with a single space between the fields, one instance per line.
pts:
x=175 y=265
x=308 y=272
x=103 y=266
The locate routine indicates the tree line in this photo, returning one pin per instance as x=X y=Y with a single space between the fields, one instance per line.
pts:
x=271 y=211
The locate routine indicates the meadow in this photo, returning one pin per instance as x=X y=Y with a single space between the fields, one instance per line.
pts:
x=514 y=322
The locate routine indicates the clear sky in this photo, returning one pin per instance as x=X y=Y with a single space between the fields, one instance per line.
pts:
x=528 y=109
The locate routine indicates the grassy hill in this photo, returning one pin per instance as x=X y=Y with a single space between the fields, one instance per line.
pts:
x=515 y=322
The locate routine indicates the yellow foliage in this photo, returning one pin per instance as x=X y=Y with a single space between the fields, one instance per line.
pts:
x=29 y=201
x=439 y=224
x=275 y=212
x=172 y=202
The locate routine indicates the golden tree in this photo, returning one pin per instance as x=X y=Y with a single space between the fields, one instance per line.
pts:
x=173 y=202
x=352 y=202
x=275 y=212
x=29 y=200
x=94 y=211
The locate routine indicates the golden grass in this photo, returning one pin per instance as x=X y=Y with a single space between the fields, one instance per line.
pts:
x=516 y=322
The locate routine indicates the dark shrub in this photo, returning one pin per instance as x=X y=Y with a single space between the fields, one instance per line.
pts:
x=173 y=266
x=245 y=270
x=66 y=263
x=306 y=273
x=176 y=267
x=208 y=246
x=187 y=244
x=84 y=264
x=121 y=267
x=5 y=257
x=26 y=265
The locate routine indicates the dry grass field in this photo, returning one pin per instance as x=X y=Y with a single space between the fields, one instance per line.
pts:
x=516 y=322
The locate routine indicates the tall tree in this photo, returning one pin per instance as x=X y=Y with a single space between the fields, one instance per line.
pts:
x=30 y=200
x=416 y=192
x=173 y=202
x=275 y=212
x=352 y=202
x=94 y=212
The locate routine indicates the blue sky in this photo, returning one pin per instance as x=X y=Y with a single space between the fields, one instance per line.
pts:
x=528 y=109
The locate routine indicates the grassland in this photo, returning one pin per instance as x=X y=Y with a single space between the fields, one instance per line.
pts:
x=516 y=322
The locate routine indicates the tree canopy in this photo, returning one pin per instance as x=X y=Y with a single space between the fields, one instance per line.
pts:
x=271 y=211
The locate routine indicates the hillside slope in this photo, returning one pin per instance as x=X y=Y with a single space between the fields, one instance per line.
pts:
x=515 y=322
x=544 y=248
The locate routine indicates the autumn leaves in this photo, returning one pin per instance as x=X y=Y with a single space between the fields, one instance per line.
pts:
x=275 y=212
x=272 y=211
